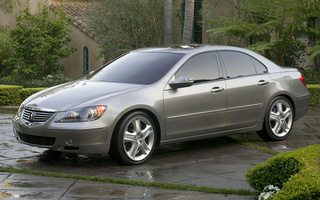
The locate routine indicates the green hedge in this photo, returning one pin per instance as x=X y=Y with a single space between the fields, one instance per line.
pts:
x=11 y=95
x=296 y=173
x=26 y=92
x=314 y=94
x=14 y=95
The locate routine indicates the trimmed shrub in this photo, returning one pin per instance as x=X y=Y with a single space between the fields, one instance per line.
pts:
x=26 y=92
x=311 y=77
x=296 y=173
x=275 y=172
x=12 y=95
x=48 y=81
x=9 y=95
x=314 y=94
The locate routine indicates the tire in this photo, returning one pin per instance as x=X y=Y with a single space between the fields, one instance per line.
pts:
x=134 y=139
x=278 y=120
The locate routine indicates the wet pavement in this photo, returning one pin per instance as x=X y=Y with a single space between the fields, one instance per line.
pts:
x=218 y=162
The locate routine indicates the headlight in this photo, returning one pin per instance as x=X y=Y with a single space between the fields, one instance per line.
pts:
x=20 y=110
x=82 y=114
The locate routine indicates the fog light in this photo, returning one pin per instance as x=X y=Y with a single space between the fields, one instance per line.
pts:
x=69 y=142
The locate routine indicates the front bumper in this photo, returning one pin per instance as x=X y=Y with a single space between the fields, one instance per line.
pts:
x=64 y=137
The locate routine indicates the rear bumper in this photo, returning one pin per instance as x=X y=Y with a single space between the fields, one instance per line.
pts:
x=302 y=104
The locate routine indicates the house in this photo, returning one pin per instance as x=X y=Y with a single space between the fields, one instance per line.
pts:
x=82 y=61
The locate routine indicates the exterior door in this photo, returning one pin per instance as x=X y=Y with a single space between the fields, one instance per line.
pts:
x=200 y=108
x=247 y=86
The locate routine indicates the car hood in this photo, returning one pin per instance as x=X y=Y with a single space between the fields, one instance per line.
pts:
x=76 y=94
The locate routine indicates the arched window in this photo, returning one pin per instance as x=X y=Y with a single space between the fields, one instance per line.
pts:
x=85 y=60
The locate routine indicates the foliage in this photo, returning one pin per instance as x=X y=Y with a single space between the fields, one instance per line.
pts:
x=12 y=95
x=38 y=41
x=296 y=173
x=275 y=172
x=26 y=92
x=270 y=27
x=7 y=6
x=5 y=50
x=9 y=95
x=48 y=81
x=122 y=24
x=311 y=76
x=314 y=94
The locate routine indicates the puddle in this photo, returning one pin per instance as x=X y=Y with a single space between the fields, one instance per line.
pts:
x=6 y=194
x=26 y=161
x=18 y=184
x=6 y=145
x=29 y=150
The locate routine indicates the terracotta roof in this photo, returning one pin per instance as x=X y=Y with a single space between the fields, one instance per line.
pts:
x=77 y=12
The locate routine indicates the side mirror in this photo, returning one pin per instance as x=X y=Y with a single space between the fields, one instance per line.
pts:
x=181 y=82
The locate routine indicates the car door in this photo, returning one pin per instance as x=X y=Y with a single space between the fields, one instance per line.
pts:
x=200 y=108
x=247 y=86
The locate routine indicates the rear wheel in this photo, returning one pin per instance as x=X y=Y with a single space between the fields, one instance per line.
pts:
x=278 y=120
x=134 y=139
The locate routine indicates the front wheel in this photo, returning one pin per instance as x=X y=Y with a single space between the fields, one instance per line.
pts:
x=278 y=120
x=134 y=139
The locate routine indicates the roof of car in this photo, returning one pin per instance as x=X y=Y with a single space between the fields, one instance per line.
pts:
x=198 y=48
x=187 y=48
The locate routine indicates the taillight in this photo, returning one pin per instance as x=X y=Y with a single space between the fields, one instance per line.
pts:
x=303 y=80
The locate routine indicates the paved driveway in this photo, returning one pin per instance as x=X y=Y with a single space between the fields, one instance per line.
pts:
x=218 y=162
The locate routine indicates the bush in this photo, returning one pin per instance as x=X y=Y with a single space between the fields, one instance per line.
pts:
x=296 y=173
x=311 y=77
x=26 y=92
x=9 y=95
x=276 y=172
x=314 y=94
x=48 y=81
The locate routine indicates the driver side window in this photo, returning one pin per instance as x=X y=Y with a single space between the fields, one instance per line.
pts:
x=201 y=67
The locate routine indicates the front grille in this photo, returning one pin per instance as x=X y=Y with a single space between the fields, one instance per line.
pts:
x=36 y=116
x=38 y=140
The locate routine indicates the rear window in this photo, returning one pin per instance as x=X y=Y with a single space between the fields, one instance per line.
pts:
x=138 y=68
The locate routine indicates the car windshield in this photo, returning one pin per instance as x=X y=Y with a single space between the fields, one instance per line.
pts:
x=137 y=68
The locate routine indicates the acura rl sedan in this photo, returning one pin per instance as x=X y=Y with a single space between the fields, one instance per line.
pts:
x=155 y=96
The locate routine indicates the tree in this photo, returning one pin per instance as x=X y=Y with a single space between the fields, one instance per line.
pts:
x=167 y=12
x=123 y=24
x=7 y=5
x=268 y=26
x=5 y=51
x=38 y=41
x=188 y=22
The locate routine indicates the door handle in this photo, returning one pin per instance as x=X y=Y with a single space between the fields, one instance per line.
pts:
x=263 y=82
x=217 y=89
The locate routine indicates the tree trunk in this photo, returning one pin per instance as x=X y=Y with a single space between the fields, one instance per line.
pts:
x=188 y=22
x=167 y=13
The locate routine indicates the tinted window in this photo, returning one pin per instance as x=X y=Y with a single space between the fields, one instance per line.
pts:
x=260 y=68
x=200 y=67
x=237 y=64
x=138 y=68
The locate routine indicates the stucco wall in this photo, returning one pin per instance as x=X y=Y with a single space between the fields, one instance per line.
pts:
x=9 y=19
x=74 y=64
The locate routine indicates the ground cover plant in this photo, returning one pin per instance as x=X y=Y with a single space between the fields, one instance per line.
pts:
x=296 y=173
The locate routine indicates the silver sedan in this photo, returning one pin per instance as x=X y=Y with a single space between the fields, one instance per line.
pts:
x=155 y=96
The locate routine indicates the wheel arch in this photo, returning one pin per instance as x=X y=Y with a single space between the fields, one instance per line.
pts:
x=290 y=99
x=149 y=113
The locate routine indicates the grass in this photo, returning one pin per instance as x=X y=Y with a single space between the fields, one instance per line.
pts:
x=141 y=183
x=130 y=182
x=255 y=146
x=7 y=111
